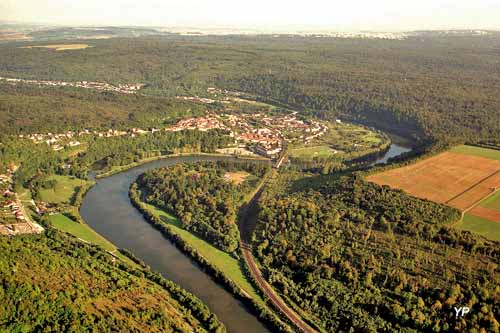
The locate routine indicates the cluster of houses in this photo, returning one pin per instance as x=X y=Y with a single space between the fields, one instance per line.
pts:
x=15 y=207
x=261 y=140
x=55 y=140
x=12 y=209
x=197 y=99
x=303 y=130
x=202 y=124
x=262 y=133
x=217 y=91
x=59 y=141
x=12 y=202
x=121 y=88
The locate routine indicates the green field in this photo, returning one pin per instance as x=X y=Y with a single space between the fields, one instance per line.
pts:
x=477 y=151
x=63 y=190
x=492 y=202
x=311 y=152
x=478 y=225
x=222 y=260
x=80 y=230
x=69 y=152
x=343 y=140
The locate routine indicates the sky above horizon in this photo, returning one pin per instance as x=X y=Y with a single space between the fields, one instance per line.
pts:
x=382 y=15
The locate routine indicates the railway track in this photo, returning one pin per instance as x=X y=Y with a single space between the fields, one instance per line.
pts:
x=266 y=288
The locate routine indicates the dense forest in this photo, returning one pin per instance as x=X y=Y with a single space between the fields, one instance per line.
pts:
x=202 y=197
x=31 y=109
x=433 y=87
x=357 y=257
x=55 y=283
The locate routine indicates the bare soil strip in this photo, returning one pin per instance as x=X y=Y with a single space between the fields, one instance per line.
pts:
x=59 y=47
x=476 y=193
x=486 y=213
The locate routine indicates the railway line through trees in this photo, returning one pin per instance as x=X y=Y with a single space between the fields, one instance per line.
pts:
x=248 y=219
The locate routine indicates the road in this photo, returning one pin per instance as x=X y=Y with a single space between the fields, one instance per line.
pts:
x=465 y=211
x=249 y=213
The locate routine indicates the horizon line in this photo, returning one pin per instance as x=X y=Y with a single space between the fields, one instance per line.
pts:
x=269 y=28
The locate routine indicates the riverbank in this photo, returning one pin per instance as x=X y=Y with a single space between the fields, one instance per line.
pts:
x=185 y=241
x=123 y=168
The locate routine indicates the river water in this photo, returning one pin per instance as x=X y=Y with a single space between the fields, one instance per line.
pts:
x=107 y=209
x=393 y=151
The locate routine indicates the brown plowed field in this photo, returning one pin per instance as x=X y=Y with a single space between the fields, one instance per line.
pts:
x=486 y=213
x=476 y=193
x=454 y=179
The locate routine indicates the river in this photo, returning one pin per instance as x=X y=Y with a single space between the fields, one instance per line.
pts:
x=107 y=209
x=393 y=151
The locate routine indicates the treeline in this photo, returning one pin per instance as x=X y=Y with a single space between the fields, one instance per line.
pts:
x=35 y=161
x=55 y=283
x=105 y=153
x=202 y=198
x=359 y=257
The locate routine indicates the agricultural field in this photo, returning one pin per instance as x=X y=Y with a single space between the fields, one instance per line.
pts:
x=487 y=213
x=466 y=177
x=312 y=152
x=460 y=180
x=62 y=189
x=477 y=151
x=492 y=202
x=481 y=226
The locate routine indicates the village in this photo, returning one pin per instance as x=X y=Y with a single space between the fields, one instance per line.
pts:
x=260 y=133
x=265 y=133
x=14 y=219
x=121 y=88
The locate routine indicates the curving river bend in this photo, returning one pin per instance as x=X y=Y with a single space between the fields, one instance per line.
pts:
x=108 y=210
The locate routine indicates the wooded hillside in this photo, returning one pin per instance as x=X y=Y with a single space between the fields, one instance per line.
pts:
x=54 y=283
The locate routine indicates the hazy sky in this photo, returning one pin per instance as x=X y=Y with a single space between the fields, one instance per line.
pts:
x=330 y=14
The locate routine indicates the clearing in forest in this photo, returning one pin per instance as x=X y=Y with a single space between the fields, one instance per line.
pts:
x=236 y=177
x=59 y=47
x=460 y=178
x=58 y=189
x=311 y=152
